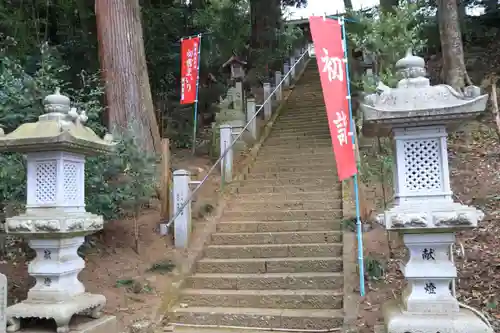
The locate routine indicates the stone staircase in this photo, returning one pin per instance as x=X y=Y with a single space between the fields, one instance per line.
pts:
x=276 y=258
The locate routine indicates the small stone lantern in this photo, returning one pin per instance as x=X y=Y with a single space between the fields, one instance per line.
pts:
x=237 y=68
x=55 y=222
x=418 y=117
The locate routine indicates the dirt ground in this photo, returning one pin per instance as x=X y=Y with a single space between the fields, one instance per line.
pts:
x=474 y=156
x=131 y=282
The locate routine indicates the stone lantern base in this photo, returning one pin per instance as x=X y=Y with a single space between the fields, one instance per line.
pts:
x=55 y=236
x=397 y=320
x=83 y=304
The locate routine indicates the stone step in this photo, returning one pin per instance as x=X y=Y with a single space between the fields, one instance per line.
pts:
x=301 y=106
x=296 y=214
x=308 y=87
x=325 y=181
x=279 y=237
x=265 y=205
x=269 y=265
x=297 y=139
x=298 y=159
x=332 y=189
x=277 y=226
x=299 y=142
x=301 y=124
x=304 y=110
x=315 y=114
x=279 y=299
x=273 y=250
x=316 y=118
x=298 y=196
x=301 y=128
x=187 y=329
x=311 y=173
x=290 y=281
x=259 y=317
x=319 y=160
x=265 y=168
x=281 y=134
x=298 y=134
x=295 y=144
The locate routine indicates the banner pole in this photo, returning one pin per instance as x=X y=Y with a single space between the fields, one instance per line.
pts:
x=359 y=231
x=195 y=121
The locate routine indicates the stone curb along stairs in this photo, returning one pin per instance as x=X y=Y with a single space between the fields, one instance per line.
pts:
x=275 y=261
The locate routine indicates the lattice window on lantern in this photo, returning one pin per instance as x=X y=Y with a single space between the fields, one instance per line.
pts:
x=71 y=183
x=46 y=182
x=422 y=165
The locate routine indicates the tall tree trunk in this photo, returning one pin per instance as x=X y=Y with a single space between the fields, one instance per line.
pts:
x=123 y=61
x=388 y=5
x=491 y=6
x=348 y=5
x=454 y=71
x=265 y=17
x=462 y=14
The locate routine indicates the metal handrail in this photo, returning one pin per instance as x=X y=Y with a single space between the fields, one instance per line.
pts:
x=191 y=196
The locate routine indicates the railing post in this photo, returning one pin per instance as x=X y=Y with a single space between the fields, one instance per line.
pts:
x=268 y=104
x=252 y=127
x=292 y=67
x=297 y=60
x=311 y=51
x=182 y=223
x=286 y=69
x=279 y=91
x=226 y=165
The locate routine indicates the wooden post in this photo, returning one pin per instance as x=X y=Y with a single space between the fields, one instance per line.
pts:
x=165 y=185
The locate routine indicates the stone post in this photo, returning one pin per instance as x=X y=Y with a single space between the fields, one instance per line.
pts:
x=267 y=104
x=182 y=223
x=311 y=51
x=298 y=60
x=238 y=96
x=252 y=127
x=279 y=86
x=292 y=67
x=55 y=222
x=226 y=164
x=417 y=116
x=286 y=69
x=3 y=302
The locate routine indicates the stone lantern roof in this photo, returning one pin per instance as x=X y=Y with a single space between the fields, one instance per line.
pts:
x=61 y=128
x=234 y=60
x=414 y=102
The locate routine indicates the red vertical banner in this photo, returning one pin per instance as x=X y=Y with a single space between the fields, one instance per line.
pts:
x=329 y=49
x=189 y=69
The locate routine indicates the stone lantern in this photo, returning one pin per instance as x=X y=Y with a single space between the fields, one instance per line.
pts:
x=418 y=117
x=55 y=222
x=237 y=68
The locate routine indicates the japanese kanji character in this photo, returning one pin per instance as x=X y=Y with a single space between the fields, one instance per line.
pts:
x=333 y=66
x=341 y=124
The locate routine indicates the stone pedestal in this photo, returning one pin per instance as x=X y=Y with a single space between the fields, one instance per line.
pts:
x=417 y=117
x=228 y=115
x=429 y=273
x=398 y=320
x=55 y=222
x=236 y=96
